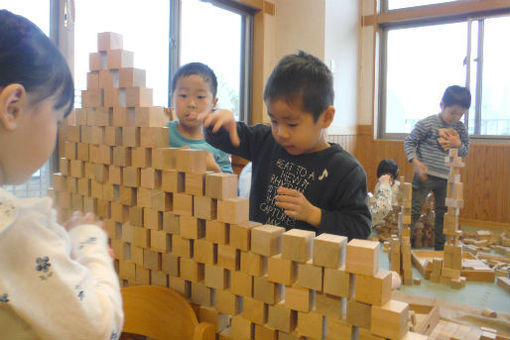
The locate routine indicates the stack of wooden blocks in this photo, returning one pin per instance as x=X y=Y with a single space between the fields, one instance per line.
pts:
x=173 y=224
x=448 y=269
x=400 y=252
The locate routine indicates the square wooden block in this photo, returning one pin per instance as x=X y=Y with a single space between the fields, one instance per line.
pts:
x=281 y=270
x=358 y=313
x=329 y=250
x=204 y=207
x=390 y=320
x=109 y=41
x=240 y=234
x=216 y=231
x=154 y=137
x=201 y=294
x=297 y=245
x=121 y=157
x=228 y=303
x=338 y=329
x=161 y=201
x=131 y=77
x=170 y=264
x=191 y=227
x=254 y=310
x=160 y=241
x=153 y=116
x=164 y=158
x=299 y=298
x=141 y=157
x=242 y=284
x=266 y=291
x=266 y=240
x=191 y=160
x=331 y=306
x=281 y=318
x=97 y=62
x=119 y=58
x=221 y=185
x=171 y=223
x=191 y=270
x=182 y=247
x=183 y=204
x=234 y=210
x=172 y=181
x=228 y=257
x=216 y=277
x=194 y=183
x=310 y=276
x=311 y=324
x=253 y=264
x=205 y=251
x=362 y=257
x=338 y=282
x=374 y=290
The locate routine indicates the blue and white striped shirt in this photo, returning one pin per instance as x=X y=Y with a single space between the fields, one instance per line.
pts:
x=422 y=143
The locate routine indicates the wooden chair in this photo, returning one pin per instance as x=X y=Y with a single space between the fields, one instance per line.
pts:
x=162 y=314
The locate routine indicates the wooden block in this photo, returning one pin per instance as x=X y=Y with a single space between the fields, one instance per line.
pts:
x=338 y=282
x=127 y=270
x=374 y=290
x=365 y=334
x=121 y=157
x=242 y=328
x=390 y=320
x=161 y=201
x=228 y=303
x=264 y=333
x=204 y=207
x=142 y=237
x=266 y=240
x=253 y=264
x=172 y=181
x=119 y=58
x=453 y=256
x=141 y=157
x=127 y=196
x=241 y=284
x=138 y=97
x=266 y=291
x=131 y=177
x=151 y=259
x=362 y=257
x=205 y=252
x=221 y=185
x=77 y=201
x=181 y=286
x=131 y=136
x=109 y=41
x=281 y=318
x=191 y=270
x=164 y=158
x=182 y=247
x=70 y=150
x=160 y=241
x=154 y=137
x=142 y=275
x=254 y=310
x=329 y=250
x=210 y=315
x=93 y=79
x=170 y=264
x=309 y=276
x=281 y=270
x=59 y=182
x=240 y=235
x=504 y=282
x=72 y=133
x=311 y=325
x=297 y=245
x=63 y=166
x=97 y=135
x=191 y=227
x=92 y=98
x=234 y=210
x=108 y=79
x=77 y=168
x=191 y=160
x=331 y=306
x=127 y=231
x=299 y=299
x=216 y=231
x=119 y=212
x=338 y=329
x=150 y=178
x=183 y=204
x=123 y=116
x=171 y=223
x=137 y=254
x=194 y=184
x=216 y=277
x=131 y=77
x=201 y=294
x=113 y=136
x=358 y=313
x=228 y=257
x=159 y=278
x=153 y=116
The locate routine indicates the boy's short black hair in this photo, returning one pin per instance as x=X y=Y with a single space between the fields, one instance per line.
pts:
x=457 y=95
x=199 y=69
x=301 y=76
x=28 y=57
x=387 y=166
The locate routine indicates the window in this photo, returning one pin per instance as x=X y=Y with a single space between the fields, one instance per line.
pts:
x=216 y=36
x=420 y=59
x=38 y=12
x=397 y=4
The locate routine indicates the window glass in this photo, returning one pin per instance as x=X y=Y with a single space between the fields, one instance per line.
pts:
x=421 y=63
x=495 y=106
x=397 y=4
x=212 y=35
x=145 y=29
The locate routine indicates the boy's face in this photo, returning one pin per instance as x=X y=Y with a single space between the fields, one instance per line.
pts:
x=452 y=114
x=191 y=97
x=295 y=129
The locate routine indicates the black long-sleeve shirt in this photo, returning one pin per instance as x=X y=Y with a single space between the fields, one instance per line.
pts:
x=331 y=179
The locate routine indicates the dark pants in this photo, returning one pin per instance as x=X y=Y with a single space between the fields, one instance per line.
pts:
x=420 y=191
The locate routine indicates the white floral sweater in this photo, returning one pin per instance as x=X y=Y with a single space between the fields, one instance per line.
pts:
x=54 y=284
x=382 y=201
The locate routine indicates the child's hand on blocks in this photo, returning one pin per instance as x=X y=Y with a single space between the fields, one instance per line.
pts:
x=295 y=205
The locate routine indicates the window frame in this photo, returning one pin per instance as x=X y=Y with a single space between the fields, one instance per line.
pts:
x=421 y=16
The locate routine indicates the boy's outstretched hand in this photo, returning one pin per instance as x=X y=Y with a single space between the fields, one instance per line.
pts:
x=222 y=118
x=295 y=205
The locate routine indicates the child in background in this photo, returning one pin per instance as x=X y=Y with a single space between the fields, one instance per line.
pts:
x=194 y=92
x=299 y=180
x=386 y=191
x=426 y=147
x=55 y=283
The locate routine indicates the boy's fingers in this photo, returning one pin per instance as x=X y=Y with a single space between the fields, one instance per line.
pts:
x=234 y=137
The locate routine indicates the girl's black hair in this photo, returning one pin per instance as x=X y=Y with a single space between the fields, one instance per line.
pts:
x=28 y=57
x=387 y=166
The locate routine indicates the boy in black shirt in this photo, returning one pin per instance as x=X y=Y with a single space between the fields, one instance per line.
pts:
x=299 y=180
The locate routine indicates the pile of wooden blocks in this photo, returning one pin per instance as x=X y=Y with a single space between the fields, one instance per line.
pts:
x=447 y=269
x=400 y=251
x=173 y=224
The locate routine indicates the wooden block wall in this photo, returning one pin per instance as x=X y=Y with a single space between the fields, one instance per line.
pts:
x=252 y=281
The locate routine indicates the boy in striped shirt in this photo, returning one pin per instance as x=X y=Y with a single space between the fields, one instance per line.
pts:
x=426 y=147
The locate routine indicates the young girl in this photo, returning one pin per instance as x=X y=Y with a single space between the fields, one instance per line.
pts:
x=54 y=283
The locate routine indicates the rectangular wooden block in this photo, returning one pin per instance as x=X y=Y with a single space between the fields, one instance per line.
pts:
x=141 y=157
x=266 y=291
x=311 y=324
x=338 y=329
x=281 y=318
x=113 y=136
x=172 y=181
x=212 y=316
x=138 y=97
x=228 y=303
x=131 y=177
x=93 y=79
x=92 y=98
x=266 y=240
x=281 y=270
x=160 y=241
x=154 y=137
x=150 y=178
x=152 y=116
x=201 y=294
x=123 y=116
x=183 y=204
x=182 y=247
x=164 y=158
x=131 y=77
x=216 y=277
x=161 y=201
x=329 y=250
x=170 y=264
x=171 y=223
x=221 y=185
x=151 y=259
x=191 y=270
x=338 y=282
x=234 y=210
x=205 y=252
x=142 y=237
x=253 y=264
x=362 y=257
x=121 y=156
x=374 y=290
x=254 y=310
x=119 y=58
x=297 y=245
x=204 y=207
x=228 y=257
x=358 y=313
x=191 y=227
x=191 y=160
x=390 y=320
x=242 y=284
x=194 y=184
x=109 y=41
x=242 y=328
x=240 y=234
x=331 y=306
x=309 y=276
x=216 y=231
x=299 y=299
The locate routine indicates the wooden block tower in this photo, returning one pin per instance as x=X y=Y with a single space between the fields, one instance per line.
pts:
x=173 y=224
x=400 y=251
